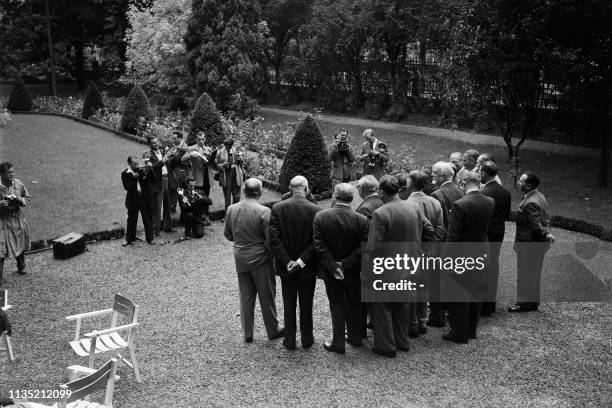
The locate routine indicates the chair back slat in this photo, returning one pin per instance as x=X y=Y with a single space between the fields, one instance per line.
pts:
x=86 y=385
x=124 y=307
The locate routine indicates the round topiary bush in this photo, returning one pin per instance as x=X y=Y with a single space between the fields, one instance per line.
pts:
x=20 y=99
x=92 y=102
x=307 y=156
x=206 y=117
x=136 y=107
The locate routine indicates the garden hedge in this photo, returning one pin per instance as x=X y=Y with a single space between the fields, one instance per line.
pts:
x=206 y=117
x=136 y=107
x=20 y=99
x=307 y=156
x=92 y=102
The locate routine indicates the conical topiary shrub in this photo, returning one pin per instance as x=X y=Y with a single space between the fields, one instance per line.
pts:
x=20 y=99
x=136 y=107
x=93 y=101
x=307 y=156
x=206 y=117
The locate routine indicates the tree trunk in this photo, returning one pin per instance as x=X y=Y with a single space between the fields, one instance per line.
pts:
x=50 y=45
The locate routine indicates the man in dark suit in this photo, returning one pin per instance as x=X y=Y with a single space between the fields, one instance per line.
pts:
x=374 y=155
x=532 y=240
x=192 y=204
x=497 y=229
x=291 y=223
x=400 y=222
x=341 y=157
x=469 y=224
x=447 y=193
x=158 y=186
x=337 y=235
x=133 y=178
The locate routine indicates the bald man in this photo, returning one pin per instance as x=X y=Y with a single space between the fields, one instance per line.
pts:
x=247 y=226
x=296 y=263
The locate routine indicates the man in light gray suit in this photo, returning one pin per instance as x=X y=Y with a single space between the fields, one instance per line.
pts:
x=246 y=224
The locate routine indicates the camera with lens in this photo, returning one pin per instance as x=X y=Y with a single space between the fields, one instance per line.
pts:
x=342 y=140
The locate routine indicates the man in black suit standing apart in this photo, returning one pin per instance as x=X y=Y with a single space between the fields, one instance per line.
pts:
x=397 y=221
x=469 y=223
x=291 y=223
x=447 y=193
x=337 y=234
x=497 y=229
x=532 y=240
x=133 y=178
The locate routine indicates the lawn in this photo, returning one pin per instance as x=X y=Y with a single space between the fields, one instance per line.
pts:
x=191 y=351
x=73 y=172
x=569 y=183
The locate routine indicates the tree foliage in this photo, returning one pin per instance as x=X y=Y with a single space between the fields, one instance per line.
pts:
x=206 y=117
x=136 y=107
x=225 y=44
x=156 y=56
x=307 y=156
x=92 y=101
x=20 y=98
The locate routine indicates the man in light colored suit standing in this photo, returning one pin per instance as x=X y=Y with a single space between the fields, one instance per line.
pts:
x=247 y=227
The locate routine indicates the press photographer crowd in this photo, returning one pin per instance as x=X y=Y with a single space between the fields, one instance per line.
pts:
x=462 y=200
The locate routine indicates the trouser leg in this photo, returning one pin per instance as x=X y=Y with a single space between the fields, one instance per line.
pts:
x=248 y=294
x=337 y=308
x=488 y=305
x=156 y=215
x=235 y=194
x=166 y=220
x=400 y=316
x=473 y=315
x=458 y=319
x=384 y=339
x=263 y=277
x=289 y=288
x=132 y=221
x=20 y=261
x=306 y=291
x=352 y=292
x=413 y=324
x=529 y=272
x=147 y=222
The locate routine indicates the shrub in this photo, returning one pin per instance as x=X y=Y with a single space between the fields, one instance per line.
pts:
x=58 y=104
x=93 y=101
x=136 y=107
x=307 y=156
x=178 y=103
x=158 y=100
x=20 y=99
x=206 y=117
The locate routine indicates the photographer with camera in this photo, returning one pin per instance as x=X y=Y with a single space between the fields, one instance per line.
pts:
x=231 y=175
x=192 y=205
x=14 y=235
x=341 y=158
x=200 y=157
x=374 y=155
x=134 y=180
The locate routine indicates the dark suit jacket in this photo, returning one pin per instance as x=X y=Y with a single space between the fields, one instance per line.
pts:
x=447 y=195
x=532 y=220
x=380 y=169
x=133 y=199
x=291 y=223
x=155 y=181
x=470 y=219
x=400 y=221
x=369 y=205
x=337 y=235
x=501 y=212
x=340 y=162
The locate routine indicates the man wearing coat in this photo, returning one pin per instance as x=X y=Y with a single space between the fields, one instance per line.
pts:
x=199 y=156
x=158 y=186
x=497 y=229
x=469 y=224
x=373 y=156
x=133 y=178
x=341 y=157
x=337 y=235
x=447 y=193
x=397 y=221
x=532 y=240
x=229 y=162
x=291 y=223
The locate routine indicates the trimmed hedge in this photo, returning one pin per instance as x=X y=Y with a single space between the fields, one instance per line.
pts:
x=307 y=156
x=92 y=102
x=136 y=107
x=20 y=99
x=206 y=117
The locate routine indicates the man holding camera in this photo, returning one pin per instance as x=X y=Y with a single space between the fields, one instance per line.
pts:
x=341 y=158
x=199 y=155
x=134 y=178
x=192 y=205
x=229 y=161
x=374 y=155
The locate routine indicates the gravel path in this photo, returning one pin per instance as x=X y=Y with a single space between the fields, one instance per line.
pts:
x=192 y=355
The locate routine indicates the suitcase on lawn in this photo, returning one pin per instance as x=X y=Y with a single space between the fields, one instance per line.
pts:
x=68 y=246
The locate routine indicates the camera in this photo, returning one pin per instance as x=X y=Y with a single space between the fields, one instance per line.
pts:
x=342 y=140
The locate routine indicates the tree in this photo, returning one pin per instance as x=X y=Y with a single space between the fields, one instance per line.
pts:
x=92 y=101
x=20 y=99
x=136 y=108
x=225 y=44
x=205 y=117
x=156 y=55
x=307 y=156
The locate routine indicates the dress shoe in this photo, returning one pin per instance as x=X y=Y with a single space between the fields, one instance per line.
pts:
x=248 y=339
x=405 y=349
x=451 y=337
x=413 y=333
x=151 y=242
x=434 y=323
x=328 y=346
x=306 y=346
x=472 y=336
x=390 y=354
x=281 y=333
x=423 y=330
x=22 y=271
x=289 y=347
x=520 y=309
x=127 y=243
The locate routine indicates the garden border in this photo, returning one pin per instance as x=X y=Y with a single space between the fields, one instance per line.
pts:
x=558 y=221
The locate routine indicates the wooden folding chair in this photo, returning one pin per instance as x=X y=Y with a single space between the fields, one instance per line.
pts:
x=109 y=342
x=5 y=339
x=75 y=394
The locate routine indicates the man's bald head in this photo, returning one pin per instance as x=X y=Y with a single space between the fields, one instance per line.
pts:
x=298 y=184
x=344 y=192
x=252 y=188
